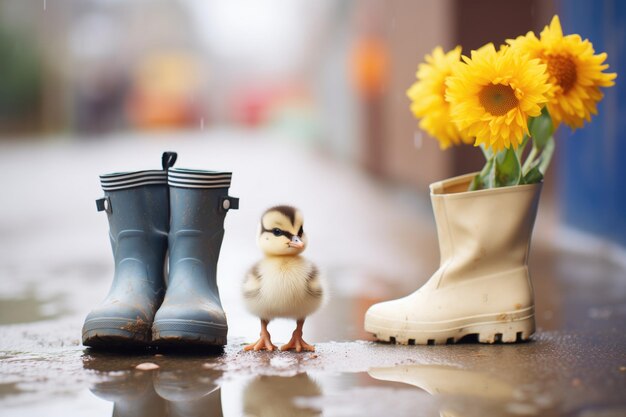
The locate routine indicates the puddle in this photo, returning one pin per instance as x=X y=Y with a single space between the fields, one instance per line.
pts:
x=29 y=308
x=8 y=389
x=553 y=375
x=397 y=391
x=203 y=386
x=211 y=392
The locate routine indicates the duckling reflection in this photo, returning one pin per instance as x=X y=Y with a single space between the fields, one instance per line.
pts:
x=179 y=387
x=274 y=396
x=457 y=389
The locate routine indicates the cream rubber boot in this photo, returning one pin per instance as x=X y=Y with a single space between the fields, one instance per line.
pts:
x=482 y=285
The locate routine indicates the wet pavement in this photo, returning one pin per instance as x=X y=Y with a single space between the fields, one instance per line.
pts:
x=55 y=264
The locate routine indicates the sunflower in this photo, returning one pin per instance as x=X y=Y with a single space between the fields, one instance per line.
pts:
x=493 y=93
x=575 y=72
x=427 y=96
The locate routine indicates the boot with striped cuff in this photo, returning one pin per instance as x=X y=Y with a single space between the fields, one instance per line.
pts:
x=191 y=313
x=137 y=207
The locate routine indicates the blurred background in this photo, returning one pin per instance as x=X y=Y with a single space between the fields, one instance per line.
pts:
x=330 y=75
x=262 y=88
x=305 y=101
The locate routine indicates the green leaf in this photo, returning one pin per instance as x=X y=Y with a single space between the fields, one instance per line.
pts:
x=522 y=147
x=485 y=178
x=534 y=176
x=546 y=155
x=508 y=170
x=541 y=128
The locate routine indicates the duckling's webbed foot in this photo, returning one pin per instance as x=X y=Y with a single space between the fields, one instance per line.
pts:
x=264 y=342
x=297 y=342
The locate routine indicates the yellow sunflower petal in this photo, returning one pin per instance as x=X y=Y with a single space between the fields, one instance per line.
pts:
x=576 y=73
x=427 y=97
x=494 y=92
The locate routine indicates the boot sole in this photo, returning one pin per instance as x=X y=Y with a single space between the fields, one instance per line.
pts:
x=116 y=333
x=182 y=333
x=510 y=327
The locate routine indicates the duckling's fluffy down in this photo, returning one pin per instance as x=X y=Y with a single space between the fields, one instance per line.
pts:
x=283 y=286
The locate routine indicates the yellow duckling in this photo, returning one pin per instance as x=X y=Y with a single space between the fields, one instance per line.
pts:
x=283 y=284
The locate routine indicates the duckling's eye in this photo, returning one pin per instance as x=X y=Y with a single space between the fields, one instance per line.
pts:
x=301 y=231
x=277 y=232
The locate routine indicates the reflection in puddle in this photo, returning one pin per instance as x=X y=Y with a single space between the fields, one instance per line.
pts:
x=276 y=396
x=132 y=396
x=462 y=392
x=189 y=393
x=438 y=379
x=189 y=387
x=193 y=386
x=179 y=387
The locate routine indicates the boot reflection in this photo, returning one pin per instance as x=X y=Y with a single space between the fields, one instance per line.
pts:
x=461 y=392
x=274 y=396
x=132 y=395
x=179 y=387
x=190 y=392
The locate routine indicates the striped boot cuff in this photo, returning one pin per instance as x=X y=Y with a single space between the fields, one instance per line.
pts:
x=191 y=178
x=125 y=180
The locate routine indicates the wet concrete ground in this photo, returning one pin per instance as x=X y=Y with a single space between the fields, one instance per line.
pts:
x=55 y=264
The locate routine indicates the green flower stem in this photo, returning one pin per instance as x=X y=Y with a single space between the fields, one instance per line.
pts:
x=546 y=156
x=505 y=168
x=484 y=179
x=529 y=162
x=487 y=153
x=522 y=147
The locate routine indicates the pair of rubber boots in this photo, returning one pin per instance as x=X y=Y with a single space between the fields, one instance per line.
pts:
x=149 y=213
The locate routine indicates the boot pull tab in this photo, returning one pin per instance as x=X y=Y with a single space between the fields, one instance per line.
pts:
x=168 y=160
x=230 y=203
x=104 y=204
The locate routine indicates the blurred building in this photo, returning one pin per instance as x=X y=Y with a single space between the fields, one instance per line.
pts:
x=328 y=74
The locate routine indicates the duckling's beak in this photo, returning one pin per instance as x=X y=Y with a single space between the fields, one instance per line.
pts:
x=296 y=243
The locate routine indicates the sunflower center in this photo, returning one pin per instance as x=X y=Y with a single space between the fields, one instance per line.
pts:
x=498 y=99
x=563 y=68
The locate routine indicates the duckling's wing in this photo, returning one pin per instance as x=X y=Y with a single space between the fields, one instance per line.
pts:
x=313 y=283
x=252 y=282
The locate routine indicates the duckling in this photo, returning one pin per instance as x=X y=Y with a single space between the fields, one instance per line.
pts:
x=283 y=284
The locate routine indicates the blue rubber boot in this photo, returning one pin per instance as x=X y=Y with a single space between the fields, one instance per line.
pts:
x=191 y=313
x=137 y=207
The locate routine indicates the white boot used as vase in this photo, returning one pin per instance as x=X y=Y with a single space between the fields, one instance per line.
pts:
x=482 y=286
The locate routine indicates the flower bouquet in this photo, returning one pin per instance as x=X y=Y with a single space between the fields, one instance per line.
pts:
x=510 y=99
x=508 y=102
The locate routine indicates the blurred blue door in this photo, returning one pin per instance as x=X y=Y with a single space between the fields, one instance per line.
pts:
x=592 y=165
